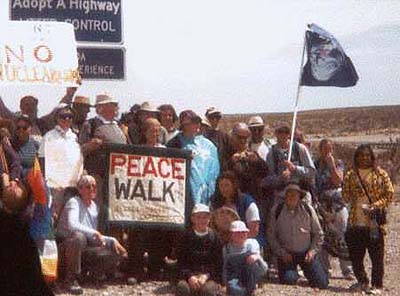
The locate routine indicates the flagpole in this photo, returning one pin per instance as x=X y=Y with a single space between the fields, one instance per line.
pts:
x=297 y=100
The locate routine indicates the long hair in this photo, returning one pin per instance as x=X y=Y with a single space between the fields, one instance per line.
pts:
x=218 y=199
x=358 y=151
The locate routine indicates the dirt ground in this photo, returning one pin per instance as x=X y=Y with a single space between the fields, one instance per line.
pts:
x=338 y=286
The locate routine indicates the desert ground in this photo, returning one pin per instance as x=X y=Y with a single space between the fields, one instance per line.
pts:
x=348 y=128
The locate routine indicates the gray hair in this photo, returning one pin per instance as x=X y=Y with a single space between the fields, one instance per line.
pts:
x=86 y=180
x=240 y=126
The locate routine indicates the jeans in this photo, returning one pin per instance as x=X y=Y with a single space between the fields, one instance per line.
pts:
x=359 y=241
x=242 y=277
x=313 y=271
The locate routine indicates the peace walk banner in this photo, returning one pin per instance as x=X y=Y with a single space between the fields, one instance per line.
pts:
x=327 y=64
x=38 y=53
x=147 y=186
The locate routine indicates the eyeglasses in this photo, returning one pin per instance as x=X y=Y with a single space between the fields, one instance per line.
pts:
x=257 y=129
x=66 y=116
x=23 y=128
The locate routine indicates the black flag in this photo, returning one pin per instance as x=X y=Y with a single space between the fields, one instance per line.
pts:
x=327 y=64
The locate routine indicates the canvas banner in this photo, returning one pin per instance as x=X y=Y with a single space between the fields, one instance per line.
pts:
x=147 y=186
x=38 y=53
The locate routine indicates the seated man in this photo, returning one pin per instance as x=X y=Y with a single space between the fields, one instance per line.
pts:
x=199 y=256
x=77 y=227
x=296 y=236
x=243 y=264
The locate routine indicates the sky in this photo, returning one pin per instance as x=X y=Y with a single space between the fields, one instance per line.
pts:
x=241 y=56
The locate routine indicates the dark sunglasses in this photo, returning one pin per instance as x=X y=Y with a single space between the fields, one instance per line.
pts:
x=24 y=128
x=257 y=129
x=66 y=116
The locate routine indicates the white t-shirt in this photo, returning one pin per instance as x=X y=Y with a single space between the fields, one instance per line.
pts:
x=261 y=149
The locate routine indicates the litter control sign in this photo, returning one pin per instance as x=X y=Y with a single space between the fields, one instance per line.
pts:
x=93 y=20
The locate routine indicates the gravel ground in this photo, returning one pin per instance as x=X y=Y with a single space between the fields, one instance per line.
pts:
x=338 y=286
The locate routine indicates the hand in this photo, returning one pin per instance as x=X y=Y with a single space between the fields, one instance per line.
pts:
x=95 y=144
x=309 y=256
x=99 y=238
x=289 y=165
x=202 y=279
x=286 y=174
x=236 y=157
x=287 y=258
x=119 y=249
x=252 y=258
x=13 y=187
x=194 y=283
x=252 y=156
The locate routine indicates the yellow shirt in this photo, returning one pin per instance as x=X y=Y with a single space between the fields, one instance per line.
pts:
x=379 y=187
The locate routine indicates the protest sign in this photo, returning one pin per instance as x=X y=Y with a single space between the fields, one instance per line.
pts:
x=38 y=53
x=147 y=186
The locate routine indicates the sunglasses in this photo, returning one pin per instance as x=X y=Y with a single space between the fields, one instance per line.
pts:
x=23 y=128
x=257 y=129
x=66 y=116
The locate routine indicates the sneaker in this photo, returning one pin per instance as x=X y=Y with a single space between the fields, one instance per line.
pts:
x=375 y=291
x=358 y=287
x=74 y=288
x=348 y=276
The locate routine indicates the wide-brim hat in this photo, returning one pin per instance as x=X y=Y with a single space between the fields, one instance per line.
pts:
x=212 y=111
x=296 y=188
x=255 y=121
x=105 y=99
x=82 y=100
x=188 y=116
x=148 y=107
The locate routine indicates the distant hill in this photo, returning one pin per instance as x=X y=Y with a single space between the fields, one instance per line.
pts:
x=332 y=122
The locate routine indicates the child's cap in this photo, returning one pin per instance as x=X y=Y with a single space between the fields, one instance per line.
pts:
x=238 y=226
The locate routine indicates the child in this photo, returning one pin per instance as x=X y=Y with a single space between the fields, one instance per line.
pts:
x=243 y=264
x=199 y=256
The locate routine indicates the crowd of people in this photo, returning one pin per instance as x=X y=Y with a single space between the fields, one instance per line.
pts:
x=255 y=211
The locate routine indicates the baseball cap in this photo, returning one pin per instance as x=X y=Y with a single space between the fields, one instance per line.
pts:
x=238 y=226
x=200 y=208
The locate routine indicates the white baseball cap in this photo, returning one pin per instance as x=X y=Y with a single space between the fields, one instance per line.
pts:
x=200 y=208
x=238 y=226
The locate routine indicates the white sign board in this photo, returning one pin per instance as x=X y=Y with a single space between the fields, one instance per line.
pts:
x=147 y=188
x=38 y=53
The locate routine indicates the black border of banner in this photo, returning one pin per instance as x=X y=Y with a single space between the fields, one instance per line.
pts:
x=158 y=152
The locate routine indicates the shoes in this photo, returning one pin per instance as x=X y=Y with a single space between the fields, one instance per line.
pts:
x=375 y=291
x=358 y=287
x=74 y=288
x=348 y=276
x=131 y=281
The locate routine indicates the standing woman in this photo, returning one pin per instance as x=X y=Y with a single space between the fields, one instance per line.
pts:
x=368 y=190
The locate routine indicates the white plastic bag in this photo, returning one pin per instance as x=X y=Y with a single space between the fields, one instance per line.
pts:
x=48 y=260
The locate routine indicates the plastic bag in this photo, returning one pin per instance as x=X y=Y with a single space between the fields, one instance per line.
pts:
x=48 y=260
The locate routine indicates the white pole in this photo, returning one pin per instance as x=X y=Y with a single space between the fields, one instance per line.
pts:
x=297 y=100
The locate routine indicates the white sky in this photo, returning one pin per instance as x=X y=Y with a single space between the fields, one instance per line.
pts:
x=242 y=56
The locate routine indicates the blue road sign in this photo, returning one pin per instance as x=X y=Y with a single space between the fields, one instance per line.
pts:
x=101 y=63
